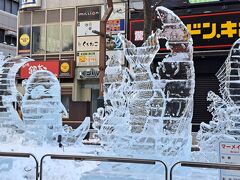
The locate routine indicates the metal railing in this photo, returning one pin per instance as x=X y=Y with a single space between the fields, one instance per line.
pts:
x=21 y=155
x=103 y=159
x=205 y=165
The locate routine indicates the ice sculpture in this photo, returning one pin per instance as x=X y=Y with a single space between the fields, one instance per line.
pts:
x=149 y=112
x=42 y=110
x=10 y=121
x=225 y=124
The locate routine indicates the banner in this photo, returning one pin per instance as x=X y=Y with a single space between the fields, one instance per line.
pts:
x=85 y=28
x=24 y=41
x=92 y=13
x=29 y=68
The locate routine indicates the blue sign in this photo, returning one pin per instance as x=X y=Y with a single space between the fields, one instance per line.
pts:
x=30 y=3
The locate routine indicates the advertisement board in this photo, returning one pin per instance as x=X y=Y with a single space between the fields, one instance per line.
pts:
x=88 y=43
x=66 y=69
x=24 y=41
x=88 y=58
x=116 y=26
x=29 y=68
x=85 y=28
x=229 y=153
x=209 y=31
x=92 y=13
x=87 y=73
x=30 y=4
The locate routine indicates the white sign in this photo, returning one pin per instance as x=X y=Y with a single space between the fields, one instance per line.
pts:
x=88 y=43
x=89 y=74
x=116 y=55
x=119 y=11
x=88 y=58
x=229 y=153
x=85 y=28
x=30 y=3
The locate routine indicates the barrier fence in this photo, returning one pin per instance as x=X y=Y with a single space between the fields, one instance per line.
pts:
x=21 y=155
x=102 y=159
x=190 y=164
x=205 y=165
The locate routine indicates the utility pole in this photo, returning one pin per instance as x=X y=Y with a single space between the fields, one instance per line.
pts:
x=102 y=59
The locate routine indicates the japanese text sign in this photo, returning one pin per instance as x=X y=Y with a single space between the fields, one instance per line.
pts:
x=88 y=43
x=229 y=153
x=31 y=67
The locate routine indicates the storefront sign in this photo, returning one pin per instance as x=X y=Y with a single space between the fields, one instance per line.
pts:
x=66 y=69
x=229 y=153
x=88 y=43
x=24 y=40
x=30 y=3
x=92 y=13
x=88 y=58
x=89 y=74
x=116 y=26
x=209 y=31
x=85 y=28
x=119 y=11
x=31 y=67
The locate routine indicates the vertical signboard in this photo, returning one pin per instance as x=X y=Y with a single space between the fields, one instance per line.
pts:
x=229 y=153
x=24 y=34
x=66 y=68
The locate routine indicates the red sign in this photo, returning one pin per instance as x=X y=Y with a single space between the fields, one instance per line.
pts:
x=31 y=67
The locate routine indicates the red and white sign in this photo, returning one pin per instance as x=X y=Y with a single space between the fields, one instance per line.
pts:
x=29 y=68
x=229 y=153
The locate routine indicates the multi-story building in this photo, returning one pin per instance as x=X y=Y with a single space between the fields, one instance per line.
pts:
x=8 y=26
x=58 y=35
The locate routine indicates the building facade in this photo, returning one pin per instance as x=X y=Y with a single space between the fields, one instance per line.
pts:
x=8 y=26
x=59 y=36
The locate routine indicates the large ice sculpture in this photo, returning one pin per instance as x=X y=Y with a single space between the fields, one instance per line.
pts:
x=42 y=111
x=41 y=108
x=10 y=122
x=225 y=125
x=149 y=111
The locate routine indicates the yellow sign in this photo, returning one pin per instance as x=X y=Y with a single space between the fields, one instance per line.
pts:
x=65 y=67
x=24 y=40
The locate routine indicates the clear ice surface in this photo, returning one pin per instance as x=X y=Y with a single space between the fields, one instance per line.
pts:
x=149 y=111
x=225 y=124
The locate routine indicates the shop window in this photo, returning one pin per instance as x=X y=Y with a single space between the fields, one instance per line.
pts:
x=67 y=37
x=38 y=39
x=53 y=38
x=38 y=17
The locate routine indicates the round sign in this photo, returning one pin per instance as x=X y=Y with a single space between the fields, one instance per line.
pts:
x=65 y=67
x=24 y=39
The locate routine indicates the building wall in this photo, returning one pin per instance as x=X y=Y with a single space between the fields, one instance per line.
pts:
x=8 y=27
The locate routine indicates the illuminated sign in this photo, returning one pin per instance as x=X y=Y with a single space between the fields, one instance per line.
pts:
x=202 y=1
x=209 y=31
x=24 y=34
x=88 y=43
x=89 y=13
x=89 y=74
x=30 y=3
x=116 y=26
x=88 y=58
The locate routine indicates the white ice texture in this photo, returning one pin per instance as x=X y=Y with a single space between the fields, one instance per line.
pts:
x=41 y=108
x=225 y=124
x=149 y=110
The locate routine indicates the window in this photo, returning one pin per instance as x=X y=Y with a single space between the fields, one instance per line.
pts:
x=201 y=1
x=2 y=5
x=38 y=39
x=1 y=35
x=14 y=7
x=67 y=37
x=53 y=38
x=8 y=6
x=66 y=101
x=8 y=40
